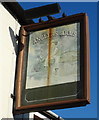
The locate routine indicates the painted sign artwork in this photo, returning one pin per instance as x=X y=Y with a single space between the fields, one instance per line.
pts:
x=54 y=56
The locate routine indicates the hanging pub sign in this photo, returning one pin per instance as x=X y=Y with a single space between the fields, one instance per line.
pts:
x=53 y=68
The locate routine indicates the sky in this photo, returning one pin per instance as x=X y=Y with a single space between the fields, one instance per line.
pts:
x=70 y=8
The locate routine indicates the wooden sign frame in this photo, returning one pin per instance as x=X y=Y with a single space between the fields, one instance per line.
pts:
x=82 y=18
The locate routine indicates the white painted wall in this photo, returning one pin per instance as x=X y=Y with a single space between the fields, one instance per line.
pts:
x=8 y=27
x=31 y=115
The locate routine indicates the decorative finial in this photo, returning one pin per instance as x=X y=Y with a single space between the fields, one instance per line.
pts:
x=40 y=20
x=50 y=17
x=64 y=15
x=33 y=21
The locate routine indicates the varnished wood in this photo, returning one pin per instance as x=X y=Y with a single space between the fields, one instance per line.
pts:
x=87 y=61
x=20 y=67
x=55 y=22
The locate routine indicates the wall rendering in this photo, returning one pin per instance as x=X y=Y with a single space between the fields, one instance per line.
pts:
x=9 y=27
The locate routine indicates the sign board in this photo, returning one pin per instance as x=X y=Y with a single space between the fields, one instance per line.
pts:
x=53 y=65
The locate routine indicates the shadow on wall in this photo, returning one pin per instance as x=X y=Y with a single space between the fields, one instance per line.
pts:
x=14 y=40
